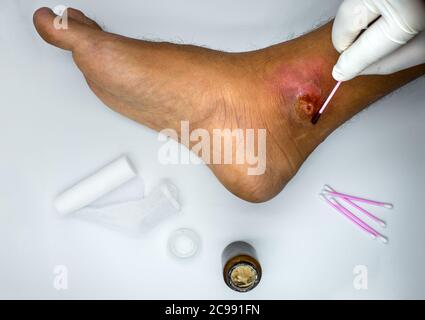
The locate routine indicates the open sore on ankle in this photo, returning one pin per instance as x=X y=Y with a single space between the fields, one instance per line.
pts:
x=300 y=89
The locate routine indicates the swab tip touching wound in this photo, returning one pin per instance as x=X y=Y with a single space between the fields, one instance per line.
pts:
x=316 y=118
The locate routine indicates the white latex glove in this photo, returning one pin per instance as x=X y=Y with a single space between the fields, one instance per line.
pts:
x=394 y=38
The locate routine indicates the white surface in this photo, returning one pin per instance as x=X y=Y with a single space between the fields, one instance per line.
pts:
x=53 y=129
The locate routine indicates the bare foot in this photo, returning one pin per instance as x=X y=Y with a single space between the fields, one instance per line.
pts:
x=278 y=89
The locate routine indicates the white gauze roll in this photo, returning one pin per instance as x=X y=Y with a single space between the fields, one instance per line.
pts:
x=139 y=216
x=95 y=186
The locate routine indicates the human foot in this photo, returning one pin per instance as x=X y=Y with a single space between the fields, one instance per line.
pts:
x=277 y=89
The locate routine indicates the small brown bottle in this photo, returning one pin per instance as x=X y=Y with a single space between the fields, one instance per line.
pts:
x=241 y=269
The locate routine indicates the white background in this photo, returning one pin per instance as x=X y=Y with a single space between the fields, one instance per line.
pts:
x=53 y=131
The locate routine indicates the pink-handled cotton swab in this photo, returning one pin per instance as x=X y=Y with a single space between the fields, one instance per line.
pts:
x=349 y=216
x=328 y=188
x=353 y=218
x=368 y=201
x=322 y=109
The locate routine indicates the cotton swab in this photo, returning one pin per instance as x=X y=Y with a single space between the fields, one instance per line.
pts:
x=369 y=228
x=341 y=209
x=368 y=201
x=322 y=109
x=328 y=188
x=350 y=216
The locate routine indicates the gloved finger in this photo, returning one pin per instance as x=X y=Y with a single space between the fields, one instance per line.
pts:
x=371 y=46
x=410 y=55
x=353 y=16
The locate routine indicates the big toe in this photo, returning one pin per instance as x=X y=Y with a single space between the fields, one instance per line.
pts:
x=68 y=31
x=82 y=18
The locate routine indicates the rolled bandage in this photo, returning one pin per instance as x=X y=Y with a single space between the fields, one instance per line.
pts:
x=95 y=186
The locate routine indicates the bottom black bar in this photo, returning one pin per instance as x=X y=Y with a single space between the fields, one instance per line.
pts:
x=203 y=309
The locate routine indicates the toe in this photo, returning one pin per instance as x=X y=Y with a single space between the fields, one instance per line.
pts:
x=82 y=18
x=64 y=32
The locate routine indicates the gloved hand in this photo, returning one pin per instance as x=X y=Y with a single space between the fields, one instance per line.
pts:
x=393 y=40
